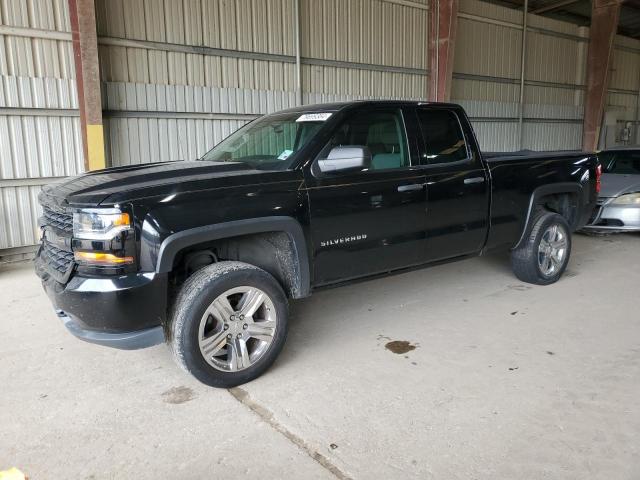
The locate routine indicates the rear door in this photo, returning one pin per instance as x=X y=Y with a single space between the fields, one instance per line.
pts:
x=457 y=184
x=373 y=220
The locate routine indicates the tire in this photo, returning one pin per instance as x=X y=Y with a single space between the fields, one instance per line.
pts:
x=201 y=316
x=529 y=260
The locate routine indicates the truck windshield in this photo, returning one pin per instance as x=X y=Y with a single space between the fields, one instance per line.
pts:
x=623 y=163
x=270 y=142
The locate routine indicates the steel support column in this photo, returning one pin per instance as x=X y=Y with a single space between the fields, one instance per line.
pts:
x=296 y=14
x=443 y=22
x=85 y=54
x=604 y=23
x=523 y=70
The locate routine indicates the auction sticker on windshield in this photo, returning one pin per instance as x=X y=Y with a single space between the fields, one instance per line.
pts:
x=314 y=117
x=285 y=154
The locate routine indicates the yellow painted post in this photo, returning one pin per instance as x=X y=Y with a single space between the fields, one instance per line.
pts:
x=95 y=147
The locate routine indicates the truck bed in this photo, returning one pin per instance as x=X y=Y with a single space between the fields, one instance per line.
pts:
x=517 y=175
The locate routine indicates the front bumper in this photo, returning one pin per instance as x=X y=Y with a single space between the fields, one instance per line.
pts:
x=615 y=218
x=126 y=312
x=123 y=341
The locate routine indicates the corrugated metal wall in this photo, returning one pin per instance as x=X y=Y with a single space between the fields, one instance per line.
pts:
x=180 y=75
x=487 y=78
x=196 y=70
x=623 y=102
x=39 y=125
x=487 y=75
x=382 y=46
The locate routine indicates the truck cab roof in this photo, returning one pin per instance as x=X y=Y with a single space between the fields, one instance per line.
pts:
x=339 y=106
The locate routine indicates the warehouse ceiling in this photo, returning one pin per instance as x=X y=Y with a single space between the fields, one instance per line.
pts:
x=579 y=12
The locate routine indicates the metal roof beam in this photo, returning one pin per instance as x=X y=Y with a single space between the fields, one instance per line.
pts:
x=553 y=6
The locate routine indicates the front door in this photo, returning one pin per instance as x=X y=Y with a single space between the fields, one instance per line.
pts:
x=371 y=220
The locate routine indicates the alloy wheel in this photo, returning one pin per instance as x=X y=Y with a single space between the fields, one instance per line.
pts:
x=237 y=329
x=552 y=250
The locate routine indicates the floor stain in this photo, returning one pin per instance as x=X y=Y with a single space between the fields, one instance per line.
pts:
x=399 y=346
x=178 y=395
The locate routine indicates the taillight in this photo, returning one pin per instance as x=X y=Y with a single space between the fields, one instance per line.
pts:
x=598 y=177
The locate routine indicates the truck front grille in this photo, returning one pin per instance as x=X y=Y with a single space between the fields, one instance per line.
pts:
x=55 y=257
x=58 y=260
x=58 y=219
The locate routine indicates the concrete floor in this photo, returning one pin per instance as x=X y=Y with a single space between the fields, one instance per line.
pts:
x=507 y=380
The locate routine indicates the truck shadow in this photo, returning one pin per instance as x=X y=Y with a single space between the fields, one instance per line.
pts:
x=336 y=317
x=498 y=261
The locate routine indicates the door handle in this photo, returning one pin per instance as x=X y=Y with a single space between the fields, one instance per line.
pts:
x=469 y=181
x=411 y=188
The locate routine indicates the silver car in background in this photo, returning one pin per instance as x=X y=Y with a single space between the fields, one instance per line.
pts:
x=618 y=207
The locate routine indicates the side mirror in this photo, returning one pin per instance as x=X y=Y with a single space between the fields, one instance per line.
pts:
x=352 y=157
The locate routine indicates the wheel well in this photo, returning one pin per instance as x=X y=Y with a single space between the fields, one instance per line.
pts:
x=564 y=204
x=273 y=252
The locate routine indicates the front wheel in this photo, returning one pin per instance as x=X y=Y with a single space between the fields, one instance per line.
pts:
x=544 y=254
x=229 y=323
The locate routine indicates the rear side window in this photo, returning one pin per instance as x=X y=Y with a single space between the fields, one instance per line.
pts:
x=443 y=137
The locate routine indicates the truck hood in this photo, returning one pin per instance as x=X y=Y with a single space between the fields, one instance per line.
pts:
x=614 y=185
x=137 y=181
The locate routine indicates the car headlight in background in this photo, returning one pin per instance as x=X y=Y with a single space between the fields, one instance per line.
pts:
x=100 y=225
x=628 y=199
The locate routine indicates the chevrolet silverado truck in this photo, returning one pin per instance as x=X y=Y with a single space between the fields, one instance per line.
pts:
x=204 y=255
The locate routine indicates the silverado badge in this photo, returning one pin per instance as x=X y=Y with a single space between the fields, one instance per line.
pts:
x=343 y=240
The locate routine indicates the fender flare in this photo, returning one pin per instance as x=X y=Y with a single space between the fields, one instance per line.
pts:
x=175 y=242
x=544 y=190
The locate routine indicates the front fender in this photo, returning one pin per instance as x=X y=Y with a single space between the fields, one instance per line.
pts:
x=175 y=242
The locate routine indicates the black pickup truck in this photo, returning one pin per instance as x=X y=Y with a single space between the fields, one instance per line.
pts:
x=205 y=254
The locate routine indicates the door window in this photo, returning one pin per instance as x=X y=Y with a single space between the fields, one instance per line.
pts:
x=382 y=132
x=443 y=137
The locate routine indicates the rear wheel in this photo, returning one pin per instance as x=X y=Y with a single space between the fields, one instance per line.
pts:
x=544 y=254
x=229 y=323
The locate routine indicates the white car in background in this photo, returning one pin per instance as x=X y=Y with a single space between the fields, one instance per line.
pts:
x=618 y=207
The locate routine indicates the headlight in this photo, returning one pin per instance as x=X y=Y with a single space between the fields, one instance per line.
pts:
x=97 y=239
x=628 y=199
x=100 y=224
